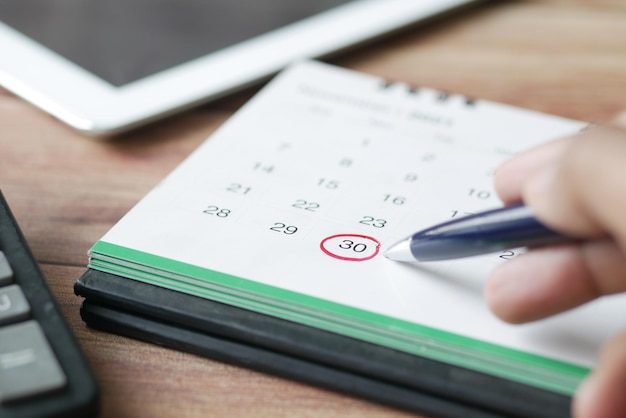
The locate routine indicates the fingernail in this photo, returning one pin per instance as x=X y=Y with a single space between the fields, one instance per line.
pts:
x=581 y=400
x=539 y=188
x=502 y=291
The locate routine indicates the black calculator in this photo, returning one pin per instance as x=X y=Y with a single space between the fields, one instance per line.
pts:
x=43 y=372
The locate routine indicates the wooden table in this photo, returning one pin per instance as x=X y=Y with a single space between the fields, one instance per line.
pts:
x=561 y=57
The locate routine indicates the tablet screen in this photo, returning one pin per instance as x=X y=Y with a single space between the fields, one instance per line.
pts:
x=122 y=41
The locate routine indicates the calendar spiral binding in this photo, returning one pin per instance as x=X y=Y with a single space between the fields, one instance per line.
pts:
x=440 y=95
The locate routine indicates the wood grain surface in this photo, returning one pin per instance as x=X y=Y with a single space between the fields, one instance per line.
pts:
x=66 y=190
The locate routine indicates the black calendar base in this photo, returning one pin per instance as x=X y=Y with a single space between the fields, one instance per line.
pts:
x=267 y=344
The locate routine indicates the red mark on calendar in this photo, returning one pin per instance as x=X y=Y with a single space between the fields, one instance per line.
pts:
x=350 y=247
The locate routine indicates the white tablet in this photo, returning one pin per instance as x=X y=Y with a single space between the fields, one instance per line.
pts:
x=107 y=66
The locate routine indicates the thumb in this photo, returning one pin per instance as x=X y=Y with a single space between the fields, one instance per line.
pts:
x=602 y=394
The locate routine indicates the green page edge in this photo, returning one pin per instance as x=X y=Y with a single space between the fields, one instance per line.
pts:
x=538 y=371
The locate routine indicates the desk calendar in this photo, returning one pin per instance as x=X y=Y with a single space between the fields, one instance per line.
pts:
x=287 y=209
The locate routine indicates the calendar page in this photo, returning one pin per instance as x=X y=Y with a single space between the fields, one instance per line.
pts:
x=287 y=210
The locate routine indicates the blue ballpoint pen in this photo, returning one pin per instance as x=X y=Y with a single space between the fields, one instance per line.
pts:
x=482 y=233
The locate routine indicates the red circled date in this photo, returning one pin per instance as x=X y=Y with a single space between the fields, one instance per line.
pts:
x=350 y=247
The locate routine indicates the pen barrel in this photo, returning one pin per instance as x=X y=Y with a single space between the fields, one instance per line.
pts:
x=492 y=231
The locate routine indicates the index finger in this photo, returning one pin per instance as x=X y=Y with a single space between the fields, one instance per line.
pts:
x=513 y=173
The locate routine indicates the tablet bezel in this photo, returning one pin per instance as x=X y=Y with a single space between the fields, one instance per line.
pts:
x=93 y=106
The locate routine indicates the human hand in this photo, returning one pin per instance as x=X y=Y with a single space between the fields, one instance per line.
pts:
x=577 y=186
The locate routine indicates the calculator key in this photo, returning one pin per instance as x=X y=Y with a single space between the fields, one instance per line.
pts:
x=6 y=273
x=13 y=305
x=27 y=365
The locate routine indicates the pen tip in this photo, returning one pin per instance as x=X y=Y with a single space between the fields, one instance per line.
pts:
x=400 y=251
